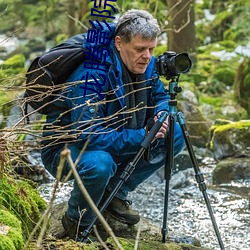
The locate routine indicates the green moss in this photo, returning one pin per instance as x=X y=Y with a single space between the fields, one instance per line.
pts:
x=219 y=102
x=60 y=38
x=228 y=45
x=128 y=244
x=16 y=61
x=225 y=75
x=22 y=200
x=14 y=234
x=236 y=125
x=13 y=71
x=91 y=247
x=16 y=237
x=9 y=219
x=6 y=243
x=212 y=100
x=6 y=96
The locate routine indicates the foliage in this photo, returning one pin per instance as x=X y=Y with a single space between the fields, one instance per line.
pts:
x=228 y=23
x=218 y=106
x=22 y=200
x=12 y=68
x=224 y=75
x=242 y=84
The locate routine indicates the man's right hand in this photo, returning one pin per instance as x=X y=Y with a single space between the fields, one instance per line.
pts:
x=164 y=128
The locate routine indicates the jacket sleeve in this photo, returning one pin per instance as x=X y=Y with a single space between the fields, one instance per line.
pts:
x=88 y=117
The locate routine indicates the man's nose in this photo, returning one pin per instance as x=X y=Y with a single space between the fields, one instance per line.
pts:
x=146 y=54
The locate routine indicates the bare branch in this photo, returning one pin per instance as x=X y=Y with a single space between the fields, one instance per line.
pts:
x=66 y=154
x=77 y=21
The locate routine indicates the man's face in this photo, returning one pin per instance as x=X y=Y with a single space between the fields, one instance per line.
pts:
x=136 y=54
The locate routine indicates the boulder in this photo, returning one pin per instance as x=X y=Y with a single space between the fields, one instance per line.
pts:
x=230 y=140
x=231 y=169
x=150 y=235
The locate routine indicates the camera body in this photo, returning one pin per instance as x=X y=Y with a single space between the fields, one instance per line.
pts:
x=171 y=65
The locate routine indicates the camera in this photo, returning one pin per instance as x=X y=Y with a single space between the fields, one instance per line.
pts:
x=171 y=65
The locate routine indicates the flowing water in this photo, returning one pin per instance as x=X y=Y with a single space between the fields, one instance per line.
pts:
x=187 y=212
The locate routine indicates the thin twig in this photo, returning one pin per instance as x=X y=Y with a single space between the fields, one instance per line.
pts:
x=138 y=236
x=66 y=154
x=77 y=21
x=99 y=238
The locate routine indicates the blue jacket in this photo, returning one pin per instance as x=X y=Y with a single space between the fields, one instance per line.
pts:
x=100 y=119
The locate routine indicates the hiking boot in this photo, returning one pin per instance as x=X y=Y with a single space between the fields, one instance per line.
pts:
x=121 y=211
x=75 y=231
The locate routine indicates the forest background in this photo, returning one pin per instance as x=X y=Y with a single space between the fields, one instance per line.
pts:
x=214 y=33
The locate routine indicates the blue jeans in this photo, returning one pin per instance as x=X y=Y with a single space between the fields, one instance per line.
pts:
x=100 y=170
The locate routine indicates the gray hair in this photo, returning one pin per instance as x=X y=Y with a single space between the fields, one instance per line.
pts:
x=137 y=22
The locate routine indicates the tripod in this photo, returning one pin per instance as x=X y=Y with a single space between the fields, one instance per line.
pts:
x=169 y=163
x=173 y=90
x=129 y=168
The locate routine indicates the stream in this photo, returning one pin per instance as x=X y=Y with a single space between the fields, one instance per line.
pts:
x=187 y=212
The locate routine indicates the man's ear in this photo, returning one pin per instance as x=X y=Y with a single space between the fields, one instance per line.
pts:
x=118 y=42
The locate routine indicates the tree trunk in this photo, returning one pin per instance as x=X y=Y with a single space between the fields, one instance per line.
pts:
x=181 y=27
x=72 y=13
x=83 y=8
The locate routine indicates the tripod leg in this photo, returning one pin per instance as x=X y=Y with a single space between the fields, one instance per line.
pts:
x=199 y=177
x=129 y=168
x=168 y=173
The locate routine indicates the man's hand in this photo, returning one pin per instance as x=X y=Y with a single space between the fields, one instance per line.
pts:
x=164 y=128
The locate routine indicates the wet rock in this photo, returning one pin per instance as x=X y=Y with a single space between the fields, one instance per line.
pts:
x=181 y=179
x=231 y=169
x=150 y=234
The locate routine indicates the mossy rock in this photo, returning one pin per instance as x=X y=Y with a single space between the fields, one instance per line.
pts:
x=231 y=169
x=150 y=235
x=232 y=139
x=225 y=75
x=21 y=199
x=11 y=237
x=128 y=244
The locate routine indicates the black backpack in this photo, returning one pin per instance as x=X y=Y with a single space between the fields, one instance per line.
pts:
x=47 y=73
